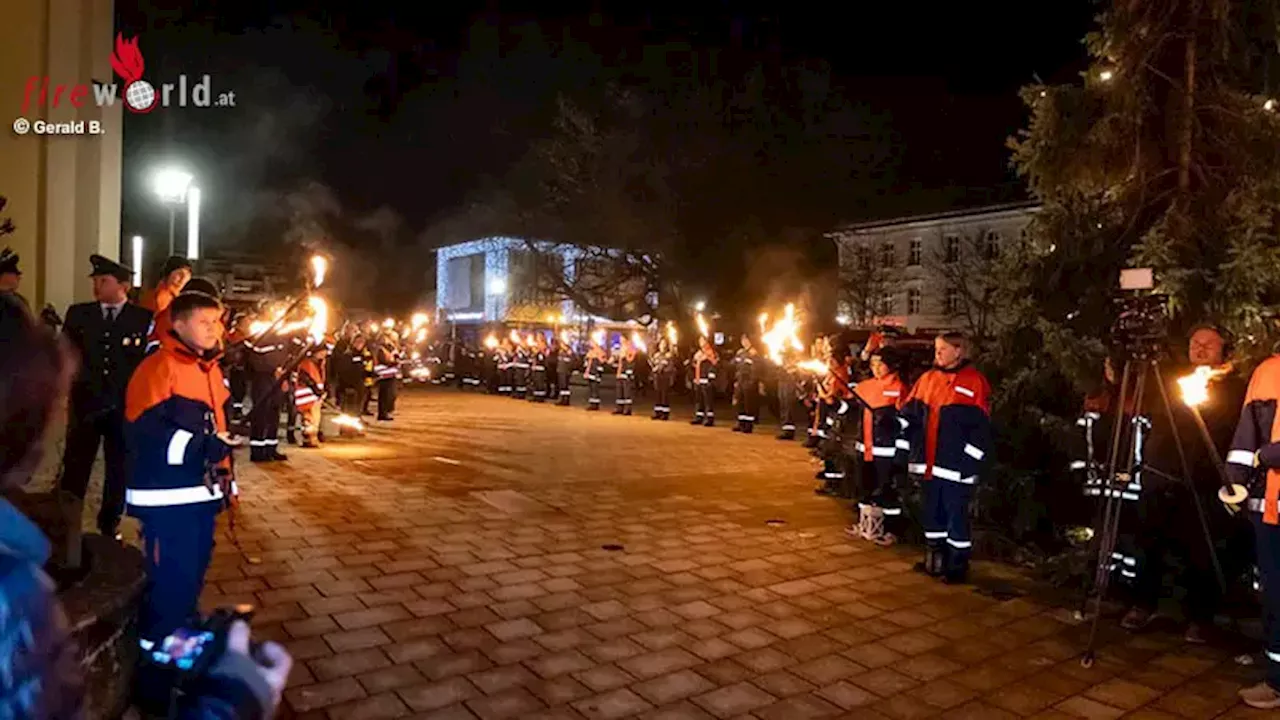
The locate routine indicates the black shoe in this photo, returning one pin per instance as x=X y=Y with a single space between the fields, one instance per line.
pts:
x=709 y=423
x=291 y=438
x=956 y=577
x=320 y=435
x=627 y=412
x=278 y=457
x=737 y=428
x=748 y=428
x=825 y=491
x=666 y=416
x=786 y=436
x=697 y=421
x=656 y=416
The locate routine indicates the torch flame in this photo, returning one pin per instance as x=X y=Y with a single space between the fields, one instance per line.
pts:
x=491 y=342
x=816 y=367
x=389 y=324
x=319 y=266
x=597 y=337
x=783 y=336
x=763 y=319
x=319 y=318
x=373 y=327
x=638 y=341
x=421 y=336
x=703 y=327
x=1195 y=387
x=515 y=338
x=672 y=335
x=419 y=319
x=345 y=420
x=565 y=337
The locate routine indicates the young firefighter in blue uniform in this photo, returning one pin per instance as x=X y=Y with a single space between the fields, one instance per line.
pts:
x=704 y=384
x=179 y=450
x=949 y=434
x=881 y=451
x=564 y=369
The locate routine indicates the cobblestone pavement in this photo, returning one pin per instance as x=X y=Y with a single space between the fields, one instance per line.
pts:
x=454 y=564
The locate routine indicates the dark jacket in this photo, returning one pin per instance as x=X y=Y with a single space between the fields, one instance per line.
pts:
x=108 y=354
x=39 y=665
x=40 y=676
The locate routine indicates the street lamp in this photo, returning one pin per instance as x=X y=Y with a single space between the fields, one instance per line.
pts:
x=497 y=285
x=171 y=185
x=137 y=261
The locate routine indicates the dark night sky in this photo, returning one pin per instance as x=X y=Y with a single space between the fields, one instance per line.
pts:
x=408 y=104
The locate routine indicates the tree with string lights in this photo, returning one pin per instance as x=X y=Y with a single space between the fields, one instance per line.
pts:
x=1166 y=156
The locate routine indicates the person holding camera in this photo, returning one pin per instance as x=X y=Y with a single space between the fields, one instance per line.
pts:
x=42 y=678
x=1168 y=519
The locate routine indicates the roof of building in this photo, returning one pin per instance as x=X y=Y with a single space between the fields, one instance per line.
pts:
x=1025 y=205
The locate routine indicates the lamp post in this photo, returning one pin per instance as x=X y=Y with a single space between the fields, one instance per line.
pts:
x=137 y=261
x=171 y=185
x=193 y=223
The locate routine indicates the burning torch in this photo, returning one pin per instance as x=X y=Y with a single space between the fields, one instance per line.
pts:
x=1195 y=392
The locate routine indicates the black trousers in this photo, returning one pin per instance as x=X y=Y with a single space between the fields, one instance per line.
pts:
x=292 y=421
x=85 y=432
x=539 y=384
x=705 y=398
x=662 y=388
x=1168 y=525
x=239 y=379
x=352 y=400
x=562 y=385
x=386 y=397
x=787 y=407
x=264 y=423
x=1267 y=538
x=626 y=395
x=748 y=401
x=593 y=394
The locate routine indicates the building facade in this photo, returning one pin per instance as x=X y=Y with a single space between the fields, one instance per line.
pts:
x=63 y=192
x=899 y=271
x=491 y=280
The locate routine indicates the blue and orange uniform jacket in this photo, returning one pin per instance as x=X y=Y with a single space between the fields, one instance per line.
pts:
x=173 y=413
x=1254 y=458
x=881 y=432
x=948 y=416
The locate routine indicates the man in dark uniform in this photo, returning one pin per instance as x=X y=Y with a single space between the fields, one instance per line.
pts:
x=267 y=355
x=110 y=336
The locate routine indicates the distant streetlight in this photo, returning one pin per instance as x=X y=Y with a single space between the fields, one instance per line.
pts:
x=193 y=223
x=171 y=185
x=497 y=286
x=843 y=319
x=1106 y=75
x=137 y=261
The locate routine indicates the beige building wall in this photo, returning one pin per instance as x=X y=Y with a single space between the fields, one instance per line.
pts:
x=63 y=192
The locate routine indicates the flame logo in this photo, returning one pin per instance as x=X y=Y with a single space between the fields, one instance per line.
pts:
x=127 y=60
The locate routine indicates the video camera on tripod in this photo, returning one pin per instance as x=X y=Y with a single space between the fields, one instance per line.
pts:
x=1141 y=327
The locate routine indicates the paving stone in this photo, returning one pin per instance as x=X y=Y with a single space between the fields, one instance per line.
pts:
x=431 y=696
x=390 y=678
x=734 y=700
x=798 y=707
x=514 y=703
x=659 y=662
x=501 y=678
x=378 y=707
x=672 y=687
x=348 y=663
x=321 y=695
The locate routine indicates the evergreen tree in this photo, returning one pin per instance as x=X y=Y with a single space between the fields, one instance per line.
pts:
x=1167 y=156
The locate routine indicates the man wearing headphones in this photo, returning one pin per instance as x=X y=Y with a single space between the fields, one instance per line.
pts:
x=1169 y=520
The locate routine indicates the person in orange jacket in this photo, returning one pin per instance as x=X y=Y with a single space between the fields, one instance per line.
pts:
x=173 y=277
x=949 y=435
x=161 y=323
x=881 y=450
x=179 y=461
x=308 y=394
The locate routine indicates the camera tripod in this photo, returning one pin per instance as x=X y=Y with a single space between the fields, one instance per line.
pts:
x=1125 y=467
